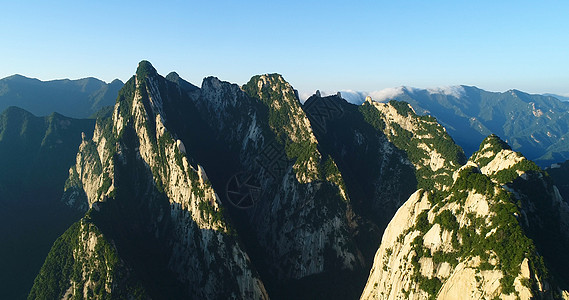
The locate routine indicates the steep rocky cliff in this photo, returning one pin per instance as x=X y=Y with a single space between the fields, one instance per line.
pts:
x=427 y=144
x=381 y=166
x=222 y=191
x=297 y=222
x=559 y=173
x=151 y=208
x=274 y=167
x=487 y=236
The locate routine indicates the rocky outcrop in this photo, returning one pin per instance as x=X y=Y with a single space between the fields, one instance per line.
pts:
x=300 y=222
x=431 y=150
x=475 y=240
x=559 y=173
x=307 y=221
x=84 y=264
x=147 y=198
x=245 y=193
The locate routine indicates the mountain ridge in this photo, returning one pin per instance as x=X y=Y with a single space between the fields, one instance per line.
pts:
x=451 y=251
x=35 y=156
x=317 y=183
x=78 y=98
x=134 y=158
x=531 y=123
x=293 y=242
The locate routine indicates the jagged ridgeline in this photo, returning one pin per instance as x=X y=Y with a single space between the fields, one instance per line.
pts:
x=384 y=151
x=293 y=206
x=536 y=125
x=500 y=231
x=154 y=226
x=72 y=98
x=431 y=150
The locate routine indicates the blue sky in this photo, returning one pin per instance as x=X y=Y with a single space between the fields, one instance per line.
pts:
x=333 y=45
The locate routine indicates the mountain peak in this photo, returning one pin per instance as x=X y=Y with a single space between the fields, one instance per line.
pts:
x=494 y=142
x=184 y=85
x=145 y=69
x=272 y=79
x=489 y=148
x=497 y=160
x=173 y=76
x=117 y=81
x=270 y=87
x=16 y=77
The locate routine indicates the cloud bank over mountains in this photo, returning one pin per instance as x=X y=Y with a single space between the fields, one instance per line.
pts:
x=358 y=97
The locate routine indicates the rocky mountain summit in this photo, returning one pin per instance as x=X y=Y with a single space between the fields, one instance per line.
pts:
x=242 y=192
x=154 y=226
x=488 y=236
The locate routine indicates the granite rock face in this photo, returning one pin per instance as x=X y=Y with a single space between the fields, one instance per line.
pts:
x=485 y=237
x=147 y=199
x=242 y=192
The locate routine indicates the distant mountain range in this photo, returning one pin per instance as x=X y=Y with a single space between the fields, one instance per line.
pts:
x=560 y=97
x=35 y=156
x=536 y=125
x=73 y=98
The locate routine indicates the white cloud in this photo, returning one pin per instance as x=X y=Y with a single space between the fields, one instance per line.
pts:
x=303 y=95
x=358 y=97
x=456 y=91
x=387 y=94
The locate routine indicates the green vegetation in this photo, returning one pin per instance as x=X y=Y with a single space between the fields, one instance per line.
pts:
x=429 y=133
x=470 y=178
x=430 y=285
x=145 y=69
x=403 y=108
x=508 y=243
x=53 y=279
x=511 y=173
x=373 y=116
x=447 y=220
x=449 y=257
x=125 y=98
x=207 y=210
x=422 y=222
x=284 y=115
x=329 y=171
x=67 y=262
x=491 y=144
